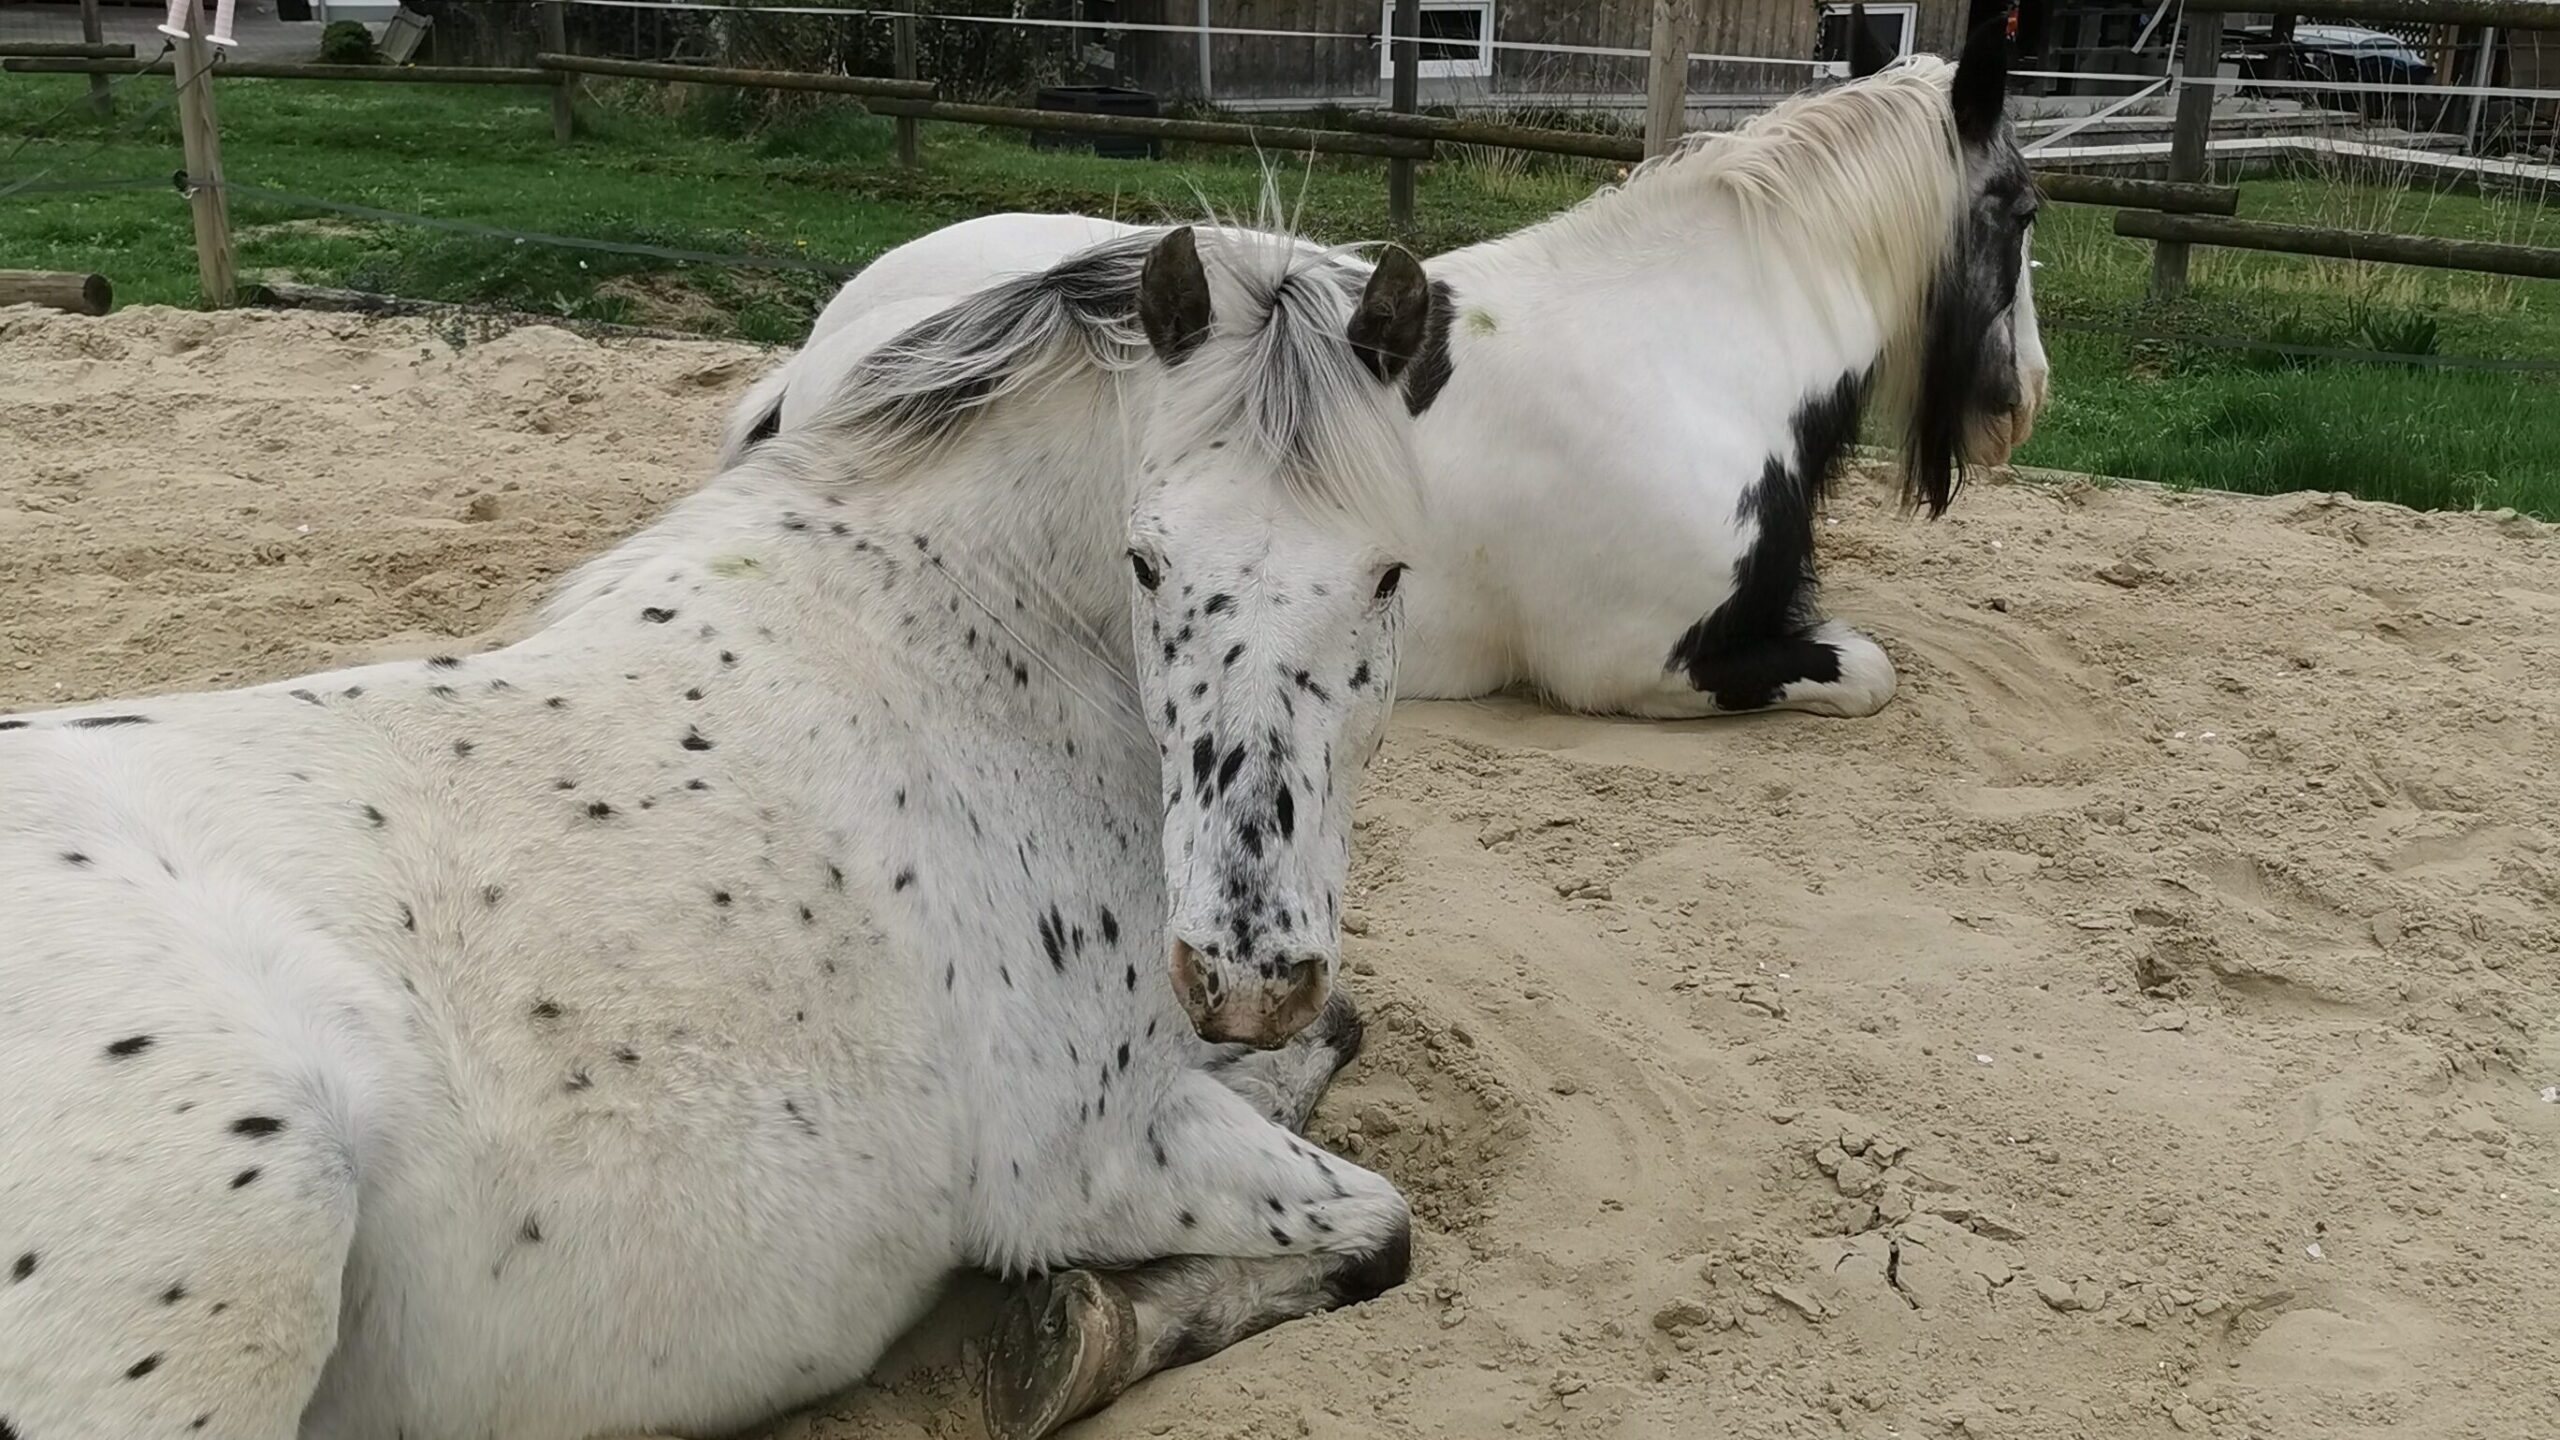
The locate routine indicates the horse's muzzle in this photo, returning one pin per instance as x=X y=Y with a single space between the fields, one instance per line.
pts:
x=1265 y=1014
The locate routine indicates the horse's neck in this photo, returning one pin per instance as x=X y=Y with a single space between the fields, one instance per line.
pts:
x=1676 y=264
x=996 y=557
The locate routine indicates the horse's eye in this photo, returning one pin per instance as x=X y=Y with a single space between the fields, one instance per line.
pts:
x=1388 y=582
x=1146 y=572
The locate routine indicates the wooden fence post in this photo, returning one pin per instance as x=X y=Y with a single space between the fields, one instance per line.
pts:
x=1666 y=79
x=215 y=273
x=2198 y=61
x=554 y=20
x=902 y=42
x=1403 y=99
x=93 y=31
x=2480 y=76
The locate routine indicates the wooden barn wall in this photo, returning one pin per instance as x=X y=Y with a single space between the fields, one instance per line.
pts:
x=1269 y=69
x=1244 y=67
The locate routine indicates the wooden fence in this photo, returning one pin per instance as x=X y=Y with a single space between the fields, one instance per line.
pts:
x=2175 y=213
x=2199 y=65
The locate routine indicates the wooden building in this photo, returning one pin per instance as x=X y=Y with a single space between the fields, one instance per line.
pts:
x=1494 y=54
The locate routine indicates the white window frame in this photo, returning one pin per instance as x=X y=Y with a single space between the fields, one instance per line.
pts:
x=1910 y=13
x=1478 y=68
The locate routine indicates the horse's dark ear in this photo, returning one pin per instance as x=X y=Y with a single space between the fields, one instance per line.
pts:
x=1982 y=78
x=1395 y=314
x=1173 y=297
x=1867 y=54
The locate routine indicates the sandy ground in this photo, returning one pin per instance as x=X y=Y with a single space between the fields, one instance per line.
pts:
x=2140 y=1029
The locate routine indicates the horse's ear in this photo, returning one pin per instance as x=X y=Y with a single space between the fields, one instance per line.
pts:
x=1173 y=297
x=1867 y=54
x=1982 y=78
x=1394 y=317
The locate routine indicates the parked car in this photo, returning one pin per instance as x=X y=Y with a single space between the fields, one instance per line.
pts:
x=2335 y=53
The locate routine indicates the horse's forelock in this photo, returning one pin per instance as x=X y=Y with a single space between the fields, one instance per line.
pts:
x=1280 y=375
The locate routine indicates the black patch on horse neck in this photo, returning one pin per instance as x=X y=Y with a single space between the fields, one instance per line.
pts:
x=1429 y=374
x=1752 y=647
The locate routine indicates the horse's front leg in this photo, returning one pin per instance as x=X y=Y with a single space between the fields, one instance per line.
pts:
x=1264 y=1227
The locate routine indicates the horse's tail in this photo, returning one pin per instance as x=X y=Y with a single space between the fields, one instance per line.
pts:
x=758 y=416
x=917 y=388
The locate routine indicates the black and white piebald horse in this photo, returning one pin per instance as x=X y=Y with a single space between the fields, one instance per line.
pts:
x=1630 y=412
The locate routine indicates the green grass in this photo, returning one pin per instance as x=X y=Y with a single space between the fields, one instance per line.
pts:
x=702 y=177
x=705 y=169
x=2233 y=420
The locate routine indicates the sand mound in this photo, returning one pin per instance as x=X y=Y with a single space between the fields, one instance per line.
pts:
x=2140 y=1029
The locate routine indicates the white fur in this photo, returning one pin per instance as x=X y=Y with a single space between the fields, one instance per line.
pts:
x=669 y=1116
x=1622 y=373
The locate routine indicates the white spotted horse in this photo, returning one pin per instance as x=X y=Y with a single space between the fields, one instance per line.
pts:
x=1631 y=413
x=627 y=1030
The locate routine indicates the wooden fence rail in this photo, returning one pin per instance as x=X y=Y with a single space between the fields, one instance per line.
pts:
x=2067 y=186
x=858 y=86
x=1207 y=132
x=2481 y=256
x=2200 y=60
x=280 y=70
x=64 y=50
x=2174 y=213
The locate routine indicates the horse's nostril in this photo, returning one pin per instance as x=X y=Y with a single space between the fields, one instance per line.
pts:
x=1193 y=983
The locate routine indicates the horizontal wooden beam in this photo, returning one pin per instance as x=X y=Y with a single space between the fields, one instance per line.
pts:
x=857 y=85
x=1626 y=149
x=77 y=293
x=2482 y=256
x=278 y=70
x=2506 y=14
x=1283 y=138
x=63 y=50
x=2183 y=196
x=2068 y=187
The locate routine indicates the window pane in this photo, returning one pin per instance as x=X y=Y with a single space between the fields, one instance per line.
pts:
x=1452 y=35
x=1831 y=39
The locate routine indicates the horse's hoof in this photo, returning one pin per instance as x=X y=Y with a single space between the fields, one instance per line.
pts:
x=1061 y=1352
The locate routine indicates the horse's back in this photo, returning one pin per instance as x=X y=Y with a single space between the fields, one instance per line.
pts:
x=184 y=1083
x=964 y=257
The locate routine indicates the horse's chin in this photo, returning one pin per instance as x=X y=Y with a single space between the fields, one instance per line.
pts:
x=1991 y=440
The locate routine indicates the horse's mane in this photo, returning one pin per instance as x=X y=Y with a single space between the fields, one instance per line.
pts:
x=1277 y=373
x=1861 y=182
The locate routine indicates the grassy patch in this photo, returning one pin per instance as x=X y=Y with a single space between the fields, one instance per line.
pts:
x=2263 y=424
x=696 y=168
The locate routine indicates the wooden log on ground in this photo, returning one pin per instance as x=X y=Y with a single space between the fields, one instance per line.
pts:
x=1207 y=132
x=855 y=85
x=2536 y=262
x=278 y=70
x=59 y=290
x=2184 y=197
x=64 y=50
x=2511 y=14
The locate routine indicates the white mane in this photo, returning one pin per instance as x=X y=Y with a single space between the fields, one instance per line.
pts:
x=1862 y=183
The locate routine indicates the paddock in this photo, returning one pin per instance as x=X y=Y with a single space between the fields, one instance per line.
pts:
x=2143 y=1027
